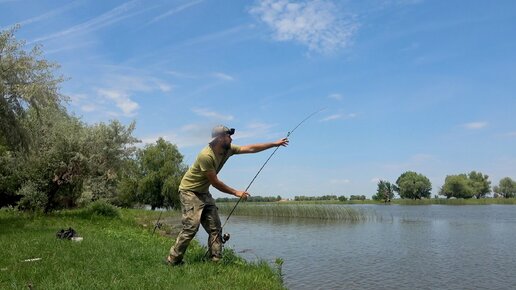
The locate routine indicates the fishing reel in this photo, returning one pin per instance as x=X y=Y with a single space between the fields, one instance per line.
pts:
x=225 y=238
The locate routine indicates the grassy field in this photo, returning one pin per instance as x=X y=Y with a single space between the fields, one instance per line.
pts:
x=116 y=253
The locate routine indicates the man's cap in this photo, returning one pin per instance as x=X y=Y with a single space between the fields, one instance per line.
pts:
x=221 y=130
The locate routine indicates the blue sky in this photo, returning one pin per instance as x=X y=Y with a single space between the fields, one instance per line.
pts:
x=427 y=86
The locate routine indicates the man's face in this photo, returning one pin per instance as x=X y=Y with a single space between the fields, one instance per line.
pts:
x=226 y=141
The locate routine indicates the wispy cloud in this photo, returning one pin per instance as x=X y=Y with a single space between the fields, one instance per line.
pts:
x=475 y=125
x=223 y=76
x=338 y=116
x=212 y=114
x=256 y=130
x=114 y=15
x=174 y=10
x=44 y=16
x=510 y=134
x=375 y=180
x=335 y=96
x=186 y=136
x=121 y=99
x=317 y=24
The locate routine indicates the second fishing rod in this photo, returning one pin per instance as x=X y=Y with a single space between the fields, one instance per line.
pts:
x=225 y=237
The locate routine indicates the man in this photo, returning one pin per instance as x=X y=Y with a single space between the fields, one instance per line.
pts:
x=197 y=204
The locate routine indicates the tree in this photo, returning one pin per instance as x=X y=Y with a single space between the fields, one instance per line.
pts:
x=26 y=81
x=161 y=168
x=457 y=186
x=385 y=191
x=413 y=185
x=506 y=188
x=480 y=184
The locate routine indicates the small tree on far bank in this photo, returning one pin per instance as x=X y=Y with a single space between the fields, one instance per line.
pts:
x=506 y=188
x=385 y=191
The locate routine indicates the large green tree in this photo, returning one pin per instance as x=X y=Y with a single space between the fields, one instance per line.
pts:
x=27 y=81
x=413 y=185
x=480 y=184
x=474 y=184
x=161 y=169
x=457 y=186
x=506 y=187
x=385 y=191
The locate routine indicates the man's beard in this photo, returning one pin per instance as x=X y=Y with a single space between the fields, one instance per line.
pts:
x=226 y=146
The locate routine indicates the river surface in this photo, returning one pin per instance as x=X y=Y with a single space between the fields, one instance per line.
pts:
x=408 y=247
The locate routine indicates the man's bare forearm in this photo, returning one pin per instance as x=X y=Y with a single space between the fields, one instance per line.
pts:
x=224 y=188
x=254 y=148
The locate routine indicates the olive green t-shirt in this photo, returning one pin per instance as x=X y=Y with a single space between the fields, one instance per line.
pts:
x=195 y=178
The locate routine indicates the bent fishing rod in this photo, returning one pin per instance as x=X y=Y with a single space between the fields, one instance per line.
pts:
x=226 y=237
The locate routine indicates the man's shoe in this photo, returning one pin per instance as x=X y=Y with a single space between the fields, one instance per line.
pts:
x=170 y=262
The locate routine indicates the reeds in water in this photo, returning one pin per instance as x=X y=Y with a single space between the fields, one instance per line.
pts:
x=315 y=211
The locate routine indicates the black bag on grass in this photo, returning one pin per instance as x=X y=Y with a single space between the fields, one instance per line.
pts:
x=66 y=234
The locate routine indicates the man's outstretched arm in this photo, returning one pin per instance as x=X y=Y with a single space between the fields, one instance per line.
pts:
x=254 y=148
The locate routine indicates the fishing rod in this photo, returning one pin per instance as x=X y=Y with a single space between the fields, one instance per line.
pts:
x=226 y=236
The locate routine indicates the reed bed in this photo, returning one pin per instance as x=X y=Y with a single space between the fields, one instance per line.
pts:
x=314 y=211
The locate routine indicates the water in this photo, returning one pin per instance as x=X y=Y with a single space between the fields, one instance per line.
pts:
x=411 y=247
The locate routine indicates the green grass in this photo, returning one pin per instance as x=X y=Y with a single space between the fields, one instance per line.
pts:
x=116 y=253
x=302 y=210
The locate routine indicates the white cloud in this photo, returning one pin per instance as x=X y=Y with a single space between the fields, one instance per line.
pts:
x=316 y=24
x=114 y=15
x=89 y=108
x=375 y=180
x=338 y=116
x=223 y=76
x=175 y=10
x=511 y=134
x=44 y=16
x=475 y=125
x=212 y=114
x=255 y=130
x=121 y=99
x=186 y=136
x=332 y=117
x=337 y=97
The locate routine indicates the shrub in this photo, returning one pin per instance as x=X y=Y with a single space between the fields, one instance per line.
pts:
x=32 y=198
x=102 y=208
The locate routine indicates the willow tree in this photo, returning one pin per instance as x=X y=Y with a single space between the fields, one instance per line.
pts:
x=27 y=81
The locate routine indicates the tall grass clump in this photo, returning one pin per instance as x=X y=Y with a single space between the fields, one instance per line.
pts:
x=315 y=211
x=100 y=208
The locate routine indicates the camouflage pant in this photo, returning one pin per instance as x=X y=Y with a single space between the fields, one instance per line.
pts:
x=198 y=209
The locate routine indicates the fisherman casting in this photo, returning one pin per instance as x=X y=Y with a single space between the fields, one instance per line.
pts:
x=197 y=204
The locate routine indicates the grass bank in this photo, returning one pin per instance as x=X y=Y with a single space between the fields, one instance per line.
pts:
x=301 y=210
x=116 y=253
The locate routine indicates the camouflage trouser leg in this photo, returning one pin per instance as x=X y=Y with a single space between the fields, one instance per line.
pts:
x=195 y=212
x=211 y=223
